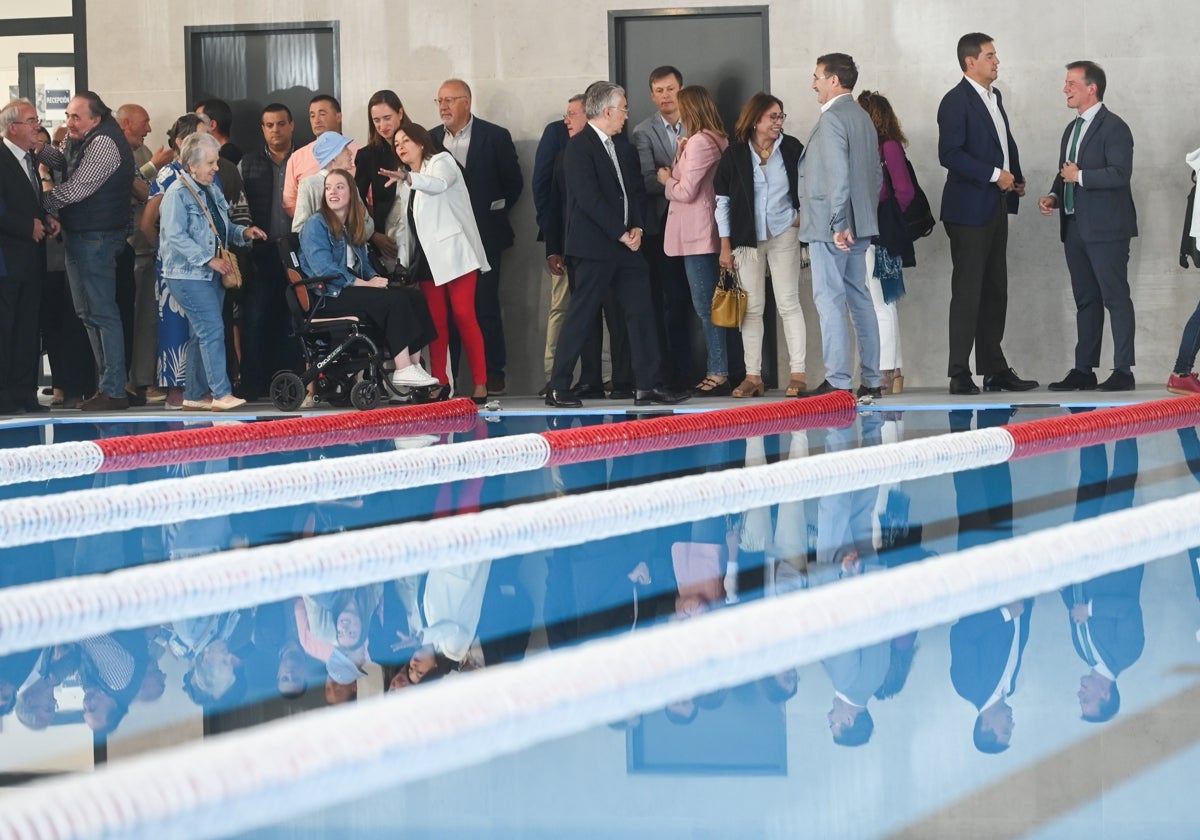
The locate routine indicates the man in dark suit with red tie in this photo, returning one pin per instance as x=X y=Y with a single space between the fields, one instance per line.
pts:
x=983 y=185
x=603 y=241
x=23 y=229
x=1096 y=221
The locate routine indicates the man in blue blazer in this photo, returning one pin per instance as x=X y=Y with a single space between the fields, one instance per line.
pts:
x=1096 y=221
x=603 y=247
x=985 y=658
x=23 y=229
x=983 y=185
x=1105 y=613
x=487 y=155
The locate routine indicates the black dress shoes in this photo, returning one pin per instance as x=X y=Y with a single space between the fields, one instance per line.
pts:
x=561 y=399
x=1075 y=380
x=824 y=388
x=659 y=396
x=866 y=391
x=962 y=384
x=32 y=406
x=587 y=392
x=1119 y=381
x=620 y=394
x=1007 y=381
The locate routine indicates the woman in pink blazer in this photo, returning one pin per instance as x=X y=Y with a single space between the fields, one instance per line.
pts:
x=691 y=230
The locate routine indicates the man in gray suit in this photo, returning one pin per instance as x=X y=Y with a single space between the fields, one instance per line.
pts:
x=1096 y=221
x=656 y=139
x=840 y=179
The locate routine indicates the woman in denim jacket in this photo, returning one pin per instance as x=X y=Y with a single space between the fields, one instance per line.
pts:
x=188 y=247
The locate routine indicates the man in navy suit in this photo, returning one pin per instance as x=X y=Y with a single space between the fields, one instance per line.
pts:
x=23 y=229
x=487 y=155
x=985 y=659
x=1096 y=221
x=983 y=185
x=1105 y=613
x=603 y=241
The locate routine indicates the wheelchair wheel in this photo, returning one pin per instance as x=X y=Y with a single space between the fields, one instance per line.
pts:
x=287 y=391
x=364 y=395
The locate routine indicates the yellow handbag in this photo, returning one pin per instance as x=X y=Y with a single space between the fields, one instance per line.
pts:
x=729 y=300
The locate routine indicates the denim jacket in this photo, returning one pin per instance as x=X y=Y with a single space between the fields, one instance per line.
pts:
x=186 y=241
x=322 y=255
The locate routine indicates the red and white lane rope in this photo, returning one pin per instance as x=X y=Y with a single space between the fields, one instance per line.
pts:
x=283 y=770
x=62 y=460
x=80 y=513
x=64 y=610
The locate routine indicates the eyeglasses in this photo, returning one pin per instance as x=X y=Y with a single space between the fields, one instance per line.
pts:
x=777 y=117
x=619 y=108
x=32 y=121
x=446 y=100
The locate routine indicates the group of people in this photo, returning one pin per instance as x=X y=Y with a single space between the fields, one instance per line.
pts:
x=151 y=242
x=637 y=235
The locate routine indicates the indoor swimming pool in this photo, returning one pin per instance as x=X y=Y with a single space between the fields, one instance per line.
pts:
x=840 y=622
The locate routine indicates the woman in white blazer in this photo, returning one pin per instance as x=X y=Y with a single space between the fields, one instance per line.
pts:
x=447 y=253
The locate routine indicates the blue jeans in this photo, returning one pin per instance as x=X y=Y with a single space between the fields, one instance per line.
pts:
x=702 y=273
x=91 y=258
x=202 y=301
x=839 y=283
x=1189 y=344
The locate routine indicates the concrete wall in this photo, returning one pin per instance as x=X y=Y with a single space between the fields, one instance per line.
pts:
x=524 y=58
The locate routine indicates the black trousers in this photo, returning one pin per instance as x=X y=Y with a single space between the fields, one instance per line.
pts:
x=591 y=369
x=627 y=278
x=266 y=345
x=72 y=365
x=978 y=294
x=20 y=342
x=673 y=312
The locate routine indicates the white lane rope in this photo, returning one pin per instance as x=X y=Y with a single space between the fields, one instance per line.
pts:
x=81 y=513
x=281 y=770
x=51 y=460
x=65 y=610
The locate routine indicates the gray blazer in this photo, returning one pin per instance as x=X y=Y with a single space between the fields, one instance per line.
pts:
x=655 y=144
x=840 y=176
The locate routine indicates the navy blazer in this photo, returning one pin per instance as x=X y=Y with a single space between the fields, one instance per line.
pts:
x=493 y=174
x=20 y=257
x=545 y=159
x=969 y=148
x=979 y=647
x=1117 y=628
x=1104 y=207
x=594 y=220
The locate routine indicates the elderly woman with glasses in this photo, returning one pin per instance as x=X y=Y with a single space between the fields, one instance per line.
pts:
x=757 y=217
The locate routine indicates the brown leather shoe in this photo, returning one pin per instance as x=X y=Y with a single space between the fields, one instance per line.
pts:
x=103 y=402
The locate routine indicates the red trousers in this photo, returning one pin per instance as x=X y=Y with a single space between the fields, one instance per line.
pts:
x=458 y=298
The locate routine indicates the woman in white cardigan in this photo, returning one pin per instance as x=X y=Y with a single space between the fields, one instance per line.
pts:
x=447 y=254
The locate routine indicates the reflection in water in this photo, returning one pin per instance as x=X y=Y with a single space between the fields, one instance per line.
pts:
x=327 y=647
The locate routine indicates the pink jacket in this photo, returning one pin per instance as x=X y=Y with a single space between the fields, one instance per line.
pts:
x=691 y=223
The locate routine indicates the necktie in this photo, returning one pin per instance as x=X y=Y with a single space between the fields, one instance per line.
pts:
x=612 y=153
x=1069 y=190
x=1081 y=631
x=31 y=171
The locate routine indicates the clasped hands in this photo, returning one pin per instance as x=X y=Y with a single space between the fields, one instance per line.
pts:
x=632 y=239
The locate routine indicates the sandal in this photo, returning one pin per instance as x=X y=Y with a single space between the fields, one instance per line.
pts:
x=749 y=388
x=710 y=387
x=797 y=385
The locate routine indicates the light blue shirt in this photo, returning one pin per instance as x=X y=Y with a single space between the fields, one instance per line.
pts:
x=773 y=211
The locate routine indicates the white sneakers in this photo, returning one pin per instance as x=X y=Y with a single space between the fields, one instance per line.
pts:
x=413 y=376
